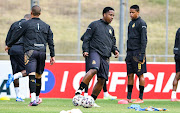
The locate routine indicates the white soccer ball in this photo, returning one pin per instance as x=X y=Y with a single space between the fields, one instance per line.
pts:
x=88 y=102
x=77 y=100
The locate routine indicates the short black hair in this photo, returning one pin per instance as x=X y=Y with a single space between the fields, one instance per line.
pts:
x=106 y=9
x=136 y=7
x=36 y=10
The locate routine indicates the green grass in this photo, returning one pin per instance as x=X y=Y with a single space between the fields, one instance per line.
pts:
x=57 y=105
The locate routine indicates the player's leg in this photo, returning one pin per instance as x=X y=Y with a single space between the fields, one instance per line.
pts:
x=175 y=83
x=18 y=67
x=85 y=82
x=140 y=69
x=102 y=76
x=39 y=72
x=107 y=96
x=30 y=65
x=86 y=91
x=92 y=67
x=130 y=86
x=38 y=88
x=97 y=88
x=130 y=74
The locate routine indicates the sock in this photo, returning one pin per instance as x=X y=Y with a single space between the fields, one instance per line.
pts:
x=32 y=87
x=94 y=96
x=173 y=95
x=86 y=89
x=18 y=75
x=130 y=87
x=38 y=86
x=141 y=92
x=82 y=86
x=85 y=94
x=33 y=97
x=106 y=94
x=37 y=98
x=16 y=91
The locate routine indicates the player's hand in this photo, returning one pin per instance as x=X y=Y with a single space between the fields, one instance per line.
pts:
x=116 y=54
x=141 y=58
x=85 y=54
x=7 y=48
x=52 y=60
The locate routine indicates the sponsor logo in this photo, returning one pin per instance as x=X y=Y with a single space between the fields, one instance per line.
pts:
x=133 y=25
x=47 y=81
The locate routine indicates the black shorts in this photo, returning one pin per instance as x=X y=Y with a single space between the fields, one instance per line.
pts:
x=177 y=64
x=17 y=63
x=98 y=62
x=35 y=61
x=132 y=63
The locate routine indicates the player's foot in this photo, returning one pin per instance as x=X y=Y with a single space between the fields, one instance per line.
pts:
x=40 y=101
x=33 y=103
x=78 y=92
x=96 y=106
x=175 y=100
x=10 y=79
x=125 y=101
x=110 y=97
x=19 y=99
x=138 y=101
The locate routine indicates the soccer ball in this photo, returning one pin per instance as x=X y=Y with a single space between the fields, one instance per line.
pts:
x=88 y=102
x=77 y=100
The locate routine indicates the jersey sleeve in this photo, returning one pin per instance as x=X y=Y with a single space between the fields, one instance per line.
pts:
x=8 y=37
x=114 y=47
x=176 y=48
x=87 y=37
x=18 y=34
x=143 y=30
x=51 y=42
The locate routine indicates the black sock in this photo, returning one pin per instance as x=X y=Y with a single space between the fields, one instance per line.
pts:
x=82 y=86
x=94 y=96
x=130 y=87
x=32 y=84
x=38 y=86
x=104 y=87
x=86 y=90
x=141 y=91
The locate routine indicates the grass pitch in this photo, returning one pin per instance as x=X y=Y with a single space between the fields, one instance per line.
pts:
x=51 y=105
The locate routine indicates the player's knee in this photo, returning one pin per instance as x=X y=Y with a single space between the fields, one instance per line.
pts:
x=131 y=76
x=38 y=76
x=93 y=71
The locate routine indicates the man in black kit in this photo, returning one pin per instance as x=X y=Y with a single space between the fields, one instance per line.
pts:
x=36 y=34
x=177 y=60
x=98 y=43
x=17 y=57
x=135 y=59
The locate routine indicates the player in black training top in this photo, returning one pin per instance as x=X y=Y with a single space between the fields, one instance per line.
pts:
x=36 y=35
x=136 y=49
x=177 y=60
x=17 y=57
x=98 y=43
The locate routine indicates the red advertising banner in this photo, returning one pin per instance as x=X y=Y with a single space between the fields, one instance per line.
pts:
x=63 y=78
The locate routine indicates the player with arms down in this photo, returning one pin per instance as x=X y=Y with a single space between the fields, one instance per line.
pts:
x=136 y=49
x=98 y=43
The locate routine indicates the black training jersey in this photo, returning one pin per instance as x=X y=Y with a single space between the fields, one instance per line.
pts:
x=17 y=48
x=36 y=34
x=177 y=43
x=100 y=37
x=137 y=35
